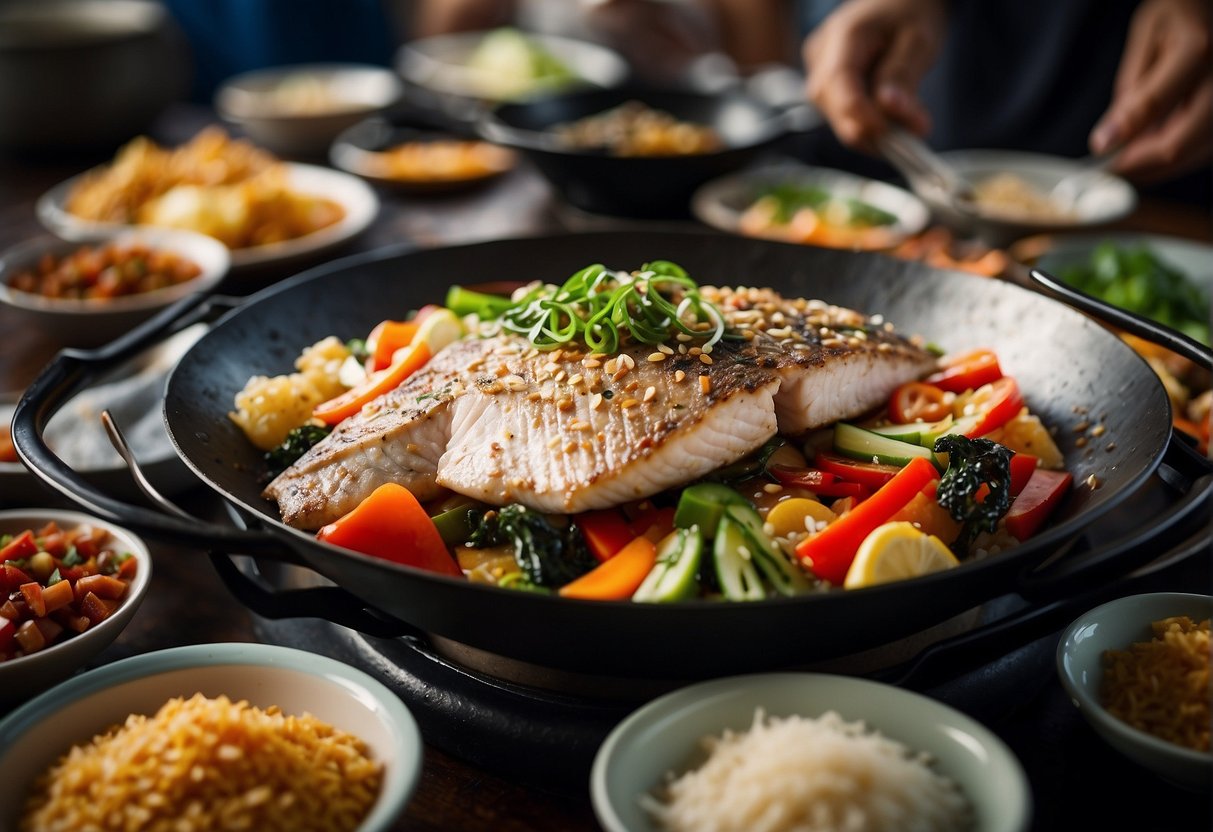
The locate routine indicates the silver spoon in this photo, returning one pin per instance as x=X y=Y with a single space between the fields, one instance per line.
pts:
x=916 y=161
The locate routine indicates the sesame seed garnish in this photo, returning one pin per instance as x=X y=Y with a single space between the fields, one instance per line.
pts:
x=695 y=351
x=591 y=363
x=705 y=358
x=657 y=356
x=576 y=379
x=1111 y=447
x=611 y=366
x=534 y=397
x=552 y=367
x=705 y=384
x=501 y=371
x=679 y=375
x=1093 y=482
x=564 y=403
x=515 y=383
x=560 y=376
x=492 y=388
x=626 y=403
x=596 y=401
x=412 y=447
x=772 y=488
x=682 y=336
x=578 y=424
x=1082 y=426
x=626 y=360
x=570 y=446
x=630 y=386
x=1098 y=430
x=665 y=349
x=650 y=393
x=556 y=355
x=682 y=349
x=554 y=441
x=1080 y=442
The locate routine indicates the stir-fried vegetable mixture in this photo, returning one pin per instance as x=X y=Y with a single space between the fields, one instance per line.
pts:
x=56 y=583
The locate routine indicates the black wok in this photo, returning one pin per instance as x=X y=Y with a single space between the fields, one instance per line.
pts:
x=1067 y=365
x=641 y=186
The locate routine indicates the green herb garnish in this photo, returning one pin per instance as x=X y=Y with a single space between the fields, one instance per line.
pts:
x=600 y=308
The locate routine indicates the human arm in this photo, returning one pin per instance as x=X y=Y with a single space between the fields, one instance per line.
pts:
x=1161 y=115
x=865 y=62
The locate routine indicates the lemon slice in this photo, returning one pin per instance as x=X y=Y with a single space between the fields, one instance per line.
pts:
x=896 y=551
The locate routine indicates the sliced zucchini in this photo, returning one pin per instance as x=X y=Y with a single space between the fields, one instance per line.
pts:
x=858 y=443
x=701 y=505
x=902 y=433
x=786 y=577
x=675 y=576
x=733 y=557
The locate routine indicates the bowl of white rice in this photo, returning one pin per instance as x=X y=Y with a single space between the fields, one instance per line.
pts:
x=804 y=751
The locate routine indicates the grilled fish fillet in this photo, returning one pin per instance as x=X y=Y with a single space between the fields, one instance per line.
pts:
x=566 y=431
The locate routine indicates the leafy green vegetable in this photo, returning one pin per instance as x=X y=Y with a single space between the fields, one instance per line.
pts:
x=846 y=211
x=600 y=307
x=973 y=463
x=297 y=443
x=547 y=554
x=754 y=465
x=72 y=558
x=1137 y=279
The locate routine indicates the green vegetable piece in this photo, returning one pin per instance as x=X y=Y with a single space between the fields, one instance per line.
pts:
x=865 y=445
x=298 y=442
x=786 y=577
x=549 y=556
x=703 y=505
x=973 y=463
x=735 y=570
x=463 y=301
x=455 y=526
x=675 y=575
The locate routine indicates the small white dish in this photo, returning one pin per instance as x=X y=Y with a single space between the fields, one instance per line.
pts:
x=86 y=322
x=356 y=198
x=1103 y=199
x=722 y=202
x=1115 y=626
x=300 y=109
x=26 y=676
x=35 y=735
x=665 y=734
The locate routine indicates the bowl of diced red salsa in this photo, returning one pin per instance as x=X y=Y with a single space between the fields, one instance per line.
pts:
x=69 y=584
x=90 y=292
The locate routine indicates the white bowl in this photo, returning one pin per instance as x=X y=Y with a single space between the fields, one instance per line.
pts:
x=300 y=109
x=439 y=65
x=88 y=322
x=1115 y=626
x=356 y=198
x=1104 y=198
x=34 y=736
x=721 y=202
x=665 y=734
x=23 y=677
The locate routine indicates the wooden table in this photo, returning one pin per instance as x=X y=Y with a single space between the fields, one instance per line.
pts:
x=1077 y=781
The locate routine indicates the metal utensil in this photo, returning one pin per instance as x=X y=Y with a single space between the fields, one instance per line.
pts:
x=917 y=161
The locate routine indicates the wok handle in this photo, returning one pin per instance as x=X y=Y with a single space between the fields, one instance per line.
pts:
x=71 y=371
x=1181 y=466
x=1130 y=322
x=329 y=603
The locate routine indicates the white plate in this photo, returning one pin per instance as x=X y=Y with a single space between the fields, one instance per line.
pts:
x=358 y=199
x=134 y=396
x=721 y=202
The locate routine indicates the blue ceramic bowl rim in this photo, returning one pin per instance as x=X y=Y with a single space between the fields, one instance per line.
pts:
x=396 y=791
x=1094 y=709
x=669 y=705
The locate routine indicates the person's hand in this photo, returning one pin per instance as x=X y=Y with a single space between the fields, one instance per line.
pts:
x=865 y=62
x=1161 y=115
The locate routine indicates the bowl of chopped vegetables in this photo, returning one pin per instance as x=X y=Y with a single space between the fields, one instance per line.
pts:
x=1138 y=669
x=69 y=584
x=91 y=292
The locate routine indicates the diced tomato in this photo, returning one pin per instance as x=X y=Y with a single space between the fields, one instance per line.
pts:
x=967 y=371
x=21 y=546
x=1039 y=498
x=30 y=637
x=94 y=608
x=32 y=593
x=918 y=401
x=8 y=629
x=605 y=532
x=103 y=586
x=871 y=474
x=60 y=595
x=994 y=405
x=14 y=578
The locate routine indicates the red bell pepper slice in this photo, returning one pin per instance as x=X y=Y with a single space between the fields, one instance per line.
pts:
x=871 y=474
x=1042 y=494
x=918 y=401
x=391 y=524
x=605 y=532
x=384 y=340
x=1022 y=468
x=829 y=552
x=821 y=483
x=14 y=578
x=967 y=371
